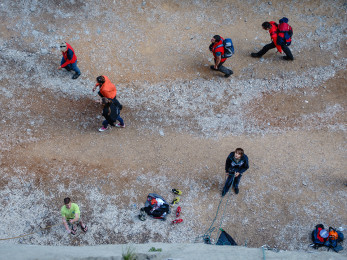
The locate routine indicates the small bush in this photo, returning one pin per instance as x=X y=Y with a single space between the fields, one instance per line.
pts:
x=153 y=249
x=130 y=254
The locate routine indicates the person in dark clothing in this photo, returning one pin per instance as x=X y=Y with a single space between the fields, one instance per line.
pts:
x=217 y=49
x=111 y=112
x=281 y=46
x=235 y=165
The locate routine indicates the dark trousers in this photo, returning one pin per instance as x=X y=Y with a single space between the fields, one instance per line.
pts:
x=271 y=46
x=105 y=123
x=229 y=181
x=223 y=69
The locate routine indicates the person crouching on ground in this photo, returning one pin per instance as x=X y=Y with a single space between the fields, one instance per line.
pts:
x=235 y=165
x=70 y=213
x=111 y=112
x=217 y=49
x=106 y=88
x=69 y=60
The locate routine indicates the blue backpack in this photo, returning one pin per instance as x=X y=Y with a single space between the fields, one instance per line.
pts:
x=228 y=48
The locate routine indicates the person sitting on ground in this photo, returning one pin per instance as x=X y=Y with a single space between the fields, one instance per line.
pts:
x=69 y=60
x=217 y=49
x=111 y=112
x=235 y=165
x=106 y=88
x=278 y=38
x=70 y=213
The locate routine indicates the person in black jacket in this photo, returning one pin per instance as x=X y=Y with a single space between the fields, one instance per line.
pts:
x=111 y=112
x=235 y=165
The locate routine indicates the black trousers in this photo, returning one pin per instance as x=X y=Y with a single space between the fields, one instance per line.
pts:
x=271 y=46
x=231 y=180
x=223 y=69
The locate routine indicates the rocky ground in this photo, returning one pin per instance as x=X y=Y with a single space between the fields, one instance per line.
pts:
x=182 y=120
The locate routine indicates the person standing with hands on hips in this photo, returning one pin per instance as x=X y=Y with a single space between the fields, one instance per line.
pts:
x=235 y=165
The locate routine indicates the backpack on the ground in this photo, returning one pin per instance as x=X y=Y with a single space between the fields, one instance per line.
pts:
x=285 y=32
x=321 y=237
x=228 y=48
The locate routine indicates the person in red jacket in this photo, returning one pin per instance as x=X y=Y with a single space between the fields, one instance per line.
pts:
x=217 y=49
x=106 y=88
x=272 y=27
x=69 y=60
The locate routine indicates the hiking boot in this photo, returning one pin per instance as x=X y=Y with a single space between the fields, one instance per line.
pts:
x=75 y=76
x=120 y=126
x=228 y=75
x=236 y=190
x=212 y=67
x=102 y=129
x=287 y=58
x=255 y=55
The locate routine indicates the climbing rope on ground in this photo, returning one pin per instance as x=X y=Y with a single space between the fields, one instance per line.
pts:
x=28 y=234
x=207 y=236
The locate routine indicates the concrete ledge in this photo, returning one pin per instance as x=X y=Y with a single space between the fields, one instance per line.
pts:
x=197 y=251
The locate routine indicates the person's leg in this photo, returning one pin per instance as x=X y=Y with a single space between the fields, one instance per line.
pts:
x=287 y=51
x=236 y=183
x=228 y=183
x=83 y=226
x=105 y=123
x=227 y=72
x=75 y=68
x=263 y=50
x=121 y=122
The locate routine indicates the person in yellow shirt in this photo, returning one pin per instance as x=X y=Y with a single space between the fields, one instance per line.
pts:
x=70 y=213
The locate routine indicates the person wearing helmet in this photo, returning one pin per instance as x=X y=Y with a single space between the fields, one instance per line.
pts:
x=69 y=60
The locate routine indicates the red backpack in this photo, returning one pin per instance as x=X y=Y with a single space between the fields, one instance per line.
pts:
x=285 y=32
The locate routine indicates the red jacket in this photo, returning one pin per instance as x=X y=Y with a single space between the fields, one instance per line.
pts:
x=219 y=47
x=274 y=34
x=66 y=56
x=108 y=90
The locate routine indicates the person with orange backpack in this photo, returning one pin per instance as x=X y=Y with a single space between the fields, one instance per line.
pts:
x=281 y=36
x=69 y=60
x=218 y=50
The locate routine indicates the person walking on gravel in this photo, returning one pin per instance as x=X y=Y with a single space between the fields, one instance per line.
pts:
x=281 y=35
x=69 y=60
x=235 y=165
x=106 y=88
x=111 y=112
x=70 y=213
x=217 y=49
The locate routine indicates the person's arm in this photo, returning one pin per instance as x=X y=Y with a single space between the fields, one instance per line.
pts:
x=245 y=166
x=274 y=39
x=66 y=225
x=96 y=85
x=217 y=60
x=77 y=217
x=227 y=164
x=69 y=58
